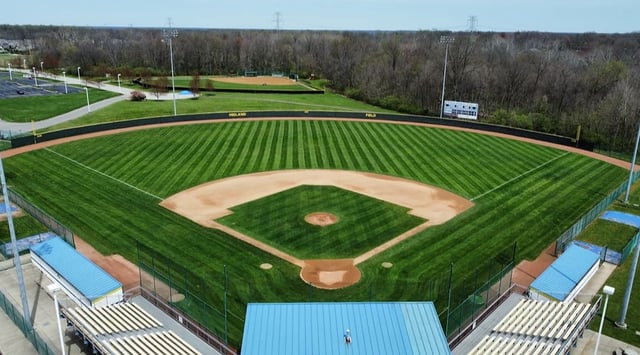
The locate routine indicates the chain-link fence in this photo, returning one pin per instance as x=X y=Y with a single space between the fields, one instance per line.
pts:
x=565 y=239
x=40 y=345
x=48 y=221
x=218 y=303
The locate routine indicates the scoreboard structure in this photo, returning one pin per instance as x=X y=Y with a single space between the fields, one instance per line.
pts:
x=459 y=109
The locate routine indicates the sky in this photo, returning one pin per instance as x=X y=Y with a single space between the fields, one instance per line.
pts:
x=574 y=16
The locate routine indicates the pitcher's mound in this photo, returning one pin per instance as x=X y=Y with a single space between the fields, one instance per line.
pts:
x=330 y=274
x=321 y=219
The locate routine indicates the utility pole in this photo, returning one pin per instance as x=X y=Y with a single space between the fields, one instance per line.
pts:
x=277 y=18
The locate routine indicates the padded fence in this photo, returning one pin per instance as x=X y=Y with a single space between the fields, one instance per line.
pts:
x=70 y=132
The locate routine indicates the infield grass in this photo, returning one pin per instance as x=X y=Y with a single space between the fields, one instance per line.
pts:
x=107 y=191
x=279 y=220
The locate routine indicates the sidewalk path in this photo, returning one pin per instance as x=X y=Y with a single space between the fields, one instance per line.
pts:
x=22 y=127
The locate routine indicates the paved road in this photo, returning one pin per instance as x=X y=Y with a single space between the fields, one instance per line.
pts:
x=17 y=128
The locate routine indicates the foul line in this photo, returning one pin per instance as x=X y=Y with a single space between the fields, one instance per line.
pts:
x=519 y=176
x=103 y=174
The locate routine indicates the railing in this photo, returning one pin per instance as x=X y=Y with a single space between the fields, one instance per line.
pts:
x=190 y=324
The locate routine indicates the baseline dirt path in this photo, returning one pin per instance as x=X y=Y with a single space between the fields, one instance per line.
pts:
x=116 y=265
x=206 y=202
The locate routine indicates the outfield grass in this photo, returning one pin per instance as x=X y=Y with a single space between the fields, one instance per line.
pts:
x=363 y=224
x=38 y=108
x=522 y=193
x=223 y=102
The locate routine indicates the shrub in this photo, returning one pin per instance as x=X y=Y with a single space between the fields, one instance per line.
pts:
x=138 y=96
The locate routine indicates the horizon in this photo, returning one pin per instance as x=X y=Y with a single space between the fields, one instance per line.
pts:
x=569 y=16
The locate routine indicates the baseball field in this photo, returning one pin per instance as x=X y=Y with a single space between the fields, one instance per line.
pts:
x=109 y=191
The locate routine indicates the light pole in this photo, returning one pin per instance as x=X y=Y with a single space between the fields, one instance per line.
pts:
x=79 y=75
x=64 y=75
x=56 y=305
x=41 y=67
x=608 y=291
x=118 y=80
x=35 y=77
x=169 y=34
x=10 y=74
x=86 y=90
x=627 y=293
x=633 y=165
x=446 y=40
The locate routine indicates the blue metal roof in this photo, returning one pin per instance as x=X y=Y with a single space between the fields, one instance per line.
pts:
x=319 y=328
x=82 y=273
x=566 y=272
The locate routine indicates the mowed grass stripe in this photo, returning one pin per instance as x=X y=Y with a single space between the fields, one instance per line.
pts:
x=95 y=208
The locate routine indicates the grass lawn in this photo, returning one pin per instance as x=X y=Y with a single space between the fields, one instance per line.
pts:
x=363 y=222
x=25 y=226
x=618 y=280
x=38 y=108
x=112 y=185
x=222 y=102
x=608 y=234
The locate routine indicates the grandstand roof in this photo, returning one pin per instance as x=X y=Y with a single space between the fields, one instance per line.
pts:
x=561 y=277
x=320 y=328
x=75 y=268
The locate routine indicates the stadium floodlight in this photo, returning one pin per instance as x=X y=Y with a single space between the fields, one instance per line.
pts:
x=86 y=90
x=118 y=80
x=64 y=75
x=79 y=75
x=14 y=249
x=633 y=165
x=10 y=74
x=168 y=35
x=446 y=40
x=621 y=323
x=608 y=291
x=35 y=76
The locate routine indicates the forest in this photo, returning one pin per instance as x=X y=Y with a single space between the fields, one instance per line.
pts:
x=560 y=83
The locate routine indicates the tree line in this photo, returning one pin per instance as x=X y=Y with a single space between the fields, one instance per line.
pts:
x=547 y=82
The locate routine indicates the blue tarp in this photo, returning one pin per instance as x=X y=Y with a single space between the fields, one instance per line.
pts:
x=622 y=217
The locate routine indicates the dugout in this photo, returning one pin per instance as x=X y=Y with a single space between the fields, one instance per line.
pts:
x=82 y=280
x=564 y=279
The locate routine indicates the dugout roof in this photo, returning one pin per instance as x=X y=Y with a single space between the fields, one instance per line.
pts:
x=75 y=268
x=561 y=277
x=319 y=328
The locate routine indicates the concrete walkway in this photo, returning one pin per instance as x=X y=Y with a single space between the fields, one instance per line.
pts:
x=24 y=127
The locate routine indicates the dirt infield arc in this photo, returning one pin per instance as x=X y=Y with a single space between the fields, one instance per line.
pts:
x=209 y=201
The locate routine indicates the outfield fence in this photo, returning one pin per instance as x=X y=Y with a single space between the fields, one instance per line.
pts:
x=42 y=217
x=570 y=234
x=628 y=249
x=29 y=333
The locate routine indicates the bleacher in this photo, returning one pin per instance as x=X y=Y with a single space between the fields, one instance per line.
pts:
x=537 y=327
x=124 y=328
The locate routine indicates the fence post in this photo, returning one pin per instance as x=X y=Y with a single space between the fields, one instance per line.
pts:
x=446 y=328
